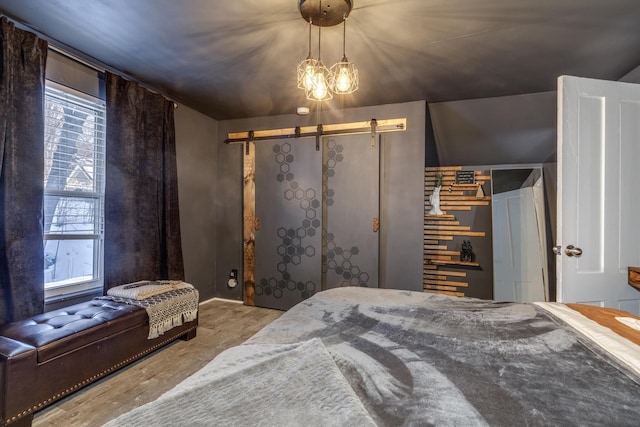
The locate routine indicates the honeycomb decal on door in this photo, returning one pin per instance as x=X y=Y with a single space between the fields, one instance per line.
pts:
x=338 y=259
x=292 y=249
x=341 y=262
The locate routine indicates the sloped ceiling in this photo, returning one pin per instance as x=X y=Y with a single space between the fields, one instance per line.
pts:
x=514 y=129
x=236 y=58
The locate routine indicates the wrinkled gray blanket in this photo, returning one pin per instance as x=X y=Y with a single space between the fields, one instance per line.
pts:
x=403 y=358
x=253 y=385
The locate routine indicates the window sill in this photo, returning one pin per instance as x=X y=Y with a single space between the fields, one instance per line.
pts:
x=61 y=301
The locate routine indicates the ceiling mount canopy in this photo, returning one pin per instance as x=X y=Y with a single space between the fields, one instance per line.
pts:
x=325 y=13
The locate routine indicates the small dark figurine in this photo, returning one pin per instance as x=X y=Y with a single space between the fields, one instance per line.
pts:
x=466 y=253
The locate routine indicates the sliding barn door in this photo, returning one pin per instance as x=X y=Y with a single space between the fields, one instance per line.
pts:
x=351 y=178
x=288 y=239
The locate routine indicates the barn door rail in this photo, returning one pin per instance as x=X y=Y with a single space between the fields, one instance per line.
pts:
x=372 y=127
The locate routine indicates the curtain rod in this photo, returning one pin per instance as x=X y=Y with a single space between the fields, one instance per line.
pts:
x=82 y=58
x=372 y=126
x=77 y=58
x=103 y=69
x=63 y=48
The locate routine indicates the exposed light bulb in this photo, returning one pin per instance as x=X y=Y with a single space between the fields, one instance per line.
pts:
x=320 y=87
x=308 y=77
x=343 y=82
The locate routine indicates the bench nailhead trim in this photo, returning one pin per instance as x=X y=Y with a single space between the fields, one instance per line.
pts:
x=103 y=373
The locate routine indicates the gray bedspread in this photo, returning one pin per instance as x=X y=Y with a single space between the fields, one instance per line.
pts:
x=402 y=358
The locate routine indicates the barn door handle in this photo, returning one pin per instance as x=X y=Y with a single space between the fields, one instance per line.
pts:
x=573 y=251
x=376 y=225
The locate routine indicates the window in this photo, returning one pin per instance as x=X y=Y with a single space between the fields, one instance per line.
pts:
x=74 y=190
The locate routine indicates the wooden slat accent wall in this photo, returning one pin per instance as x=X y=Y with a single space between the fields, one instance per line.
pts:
x=439 y=230
x=248 y=223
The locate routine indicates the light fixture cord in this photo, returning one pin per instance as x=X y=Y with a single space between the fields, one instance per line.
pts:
x=319 y=29
x=309 y=56
x=344 y=37
x=319 y=38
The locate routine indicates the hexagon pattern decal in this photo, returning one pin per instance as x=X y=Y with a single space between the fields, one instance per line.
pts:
x=292 y=248
x=340 y=260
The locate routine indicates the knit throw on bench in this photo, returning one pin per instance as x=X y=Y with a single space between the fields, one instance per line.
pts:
x=177 y=303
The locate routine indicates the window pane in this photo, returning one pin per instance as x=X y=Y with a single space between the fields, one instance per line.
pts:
x=68 y=261
x=74 y=147
x=72 y=215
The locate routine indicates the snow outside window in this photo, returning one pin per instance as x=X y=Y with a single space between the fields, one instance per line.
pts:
x=74 y=190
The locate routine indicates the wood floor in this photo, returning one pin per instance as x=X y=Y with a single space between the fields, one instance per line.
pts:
x=222 y=324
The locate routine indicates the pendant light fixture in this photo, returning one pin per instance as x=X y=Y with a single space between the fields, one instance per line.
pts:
x=320 y=89
x=306 y=68
x=319 y=82
x=344 y=74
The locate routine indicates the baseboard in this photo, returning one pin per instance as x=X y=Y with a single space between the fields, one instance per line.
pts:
x=235 y=301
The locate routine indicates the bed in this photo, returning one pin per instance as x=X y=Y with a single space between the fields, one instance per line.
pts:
x=358 y=356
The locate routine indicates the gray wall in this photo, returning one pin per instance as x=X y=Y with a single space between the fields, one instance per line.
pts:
x=402 y=185
x=210 y=177
x=480 y=279
x=491 y=131
x=196 y=137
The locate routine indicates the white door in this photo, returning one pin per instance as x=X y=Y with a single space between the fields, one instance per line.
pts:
x=598 y=192
x=517 y=255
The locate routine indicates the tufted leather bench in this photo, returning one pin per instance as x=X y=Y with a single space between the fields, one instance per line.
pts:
x=48 y=356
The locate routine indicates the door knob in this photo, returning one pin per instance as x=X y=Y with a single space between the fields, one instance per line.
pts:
x=573 y=251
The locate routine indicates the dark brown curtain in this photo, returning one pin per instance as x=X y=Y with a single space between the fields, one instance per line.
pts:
x=22 y=65
x=142 y=223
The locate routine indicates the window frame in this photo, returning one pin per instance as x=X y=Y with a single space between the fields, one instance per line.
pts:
x=65 y=287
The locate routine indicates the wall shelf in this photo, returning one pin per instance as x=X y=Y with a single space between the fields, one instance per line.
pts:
x=440 y=230
x=452 y=262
